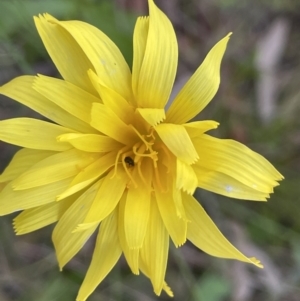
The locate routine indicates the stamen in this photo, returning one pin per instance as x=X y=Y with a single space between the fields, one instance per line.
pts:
x=140 y=172
x=126 y=169
x=141 y=136
x=125 y=148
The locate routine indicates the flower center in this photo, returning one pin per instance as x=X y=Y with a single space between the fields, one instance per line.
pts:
x=139 y=157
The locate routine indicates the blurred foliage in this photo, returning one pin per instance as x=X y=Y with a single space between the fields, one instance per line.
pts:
x=28 y=268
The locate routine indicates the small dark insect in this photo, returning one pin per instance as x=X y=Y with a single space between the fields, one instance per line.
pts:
x=129 y=161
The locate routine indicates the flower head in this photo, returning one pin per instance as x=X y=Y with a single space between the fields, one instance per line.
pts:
x=114 y=157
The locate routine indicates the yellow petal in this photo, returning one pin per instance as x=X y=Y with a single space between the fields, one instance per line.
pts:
x=106 y=254
x=145 y=271
x=107 y=60
x=66 y=242
x=155 y=60
x=107 y=197
x=154 y=251
x=69 y=97
x=136 y=214
x=91 y=142
x=16 y=200
x=107 y=122
x=68 y=57
x=111 y=99
x=197 y=128
x=186 y=178
x=152 y=116
x=140 y=36
x=237 y=161
x=200 y=88
x=175 y=225
x=223 y=184
x=23 y=160
x=178 y=141
x=33 y=133
x=20 y=89
x=205 y=235
x=131 y=255
x=36 y=218
x=89 y=174
x=53 y=169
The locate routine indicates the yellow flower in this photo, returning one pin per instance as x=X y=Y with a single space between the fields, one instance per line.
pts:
x=114 y=157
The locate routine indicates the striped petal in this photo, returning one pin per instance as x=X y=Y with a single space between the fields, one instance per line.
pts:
x=108 y=196
x=106 y=254
x=69 y=97
x=223 y=184
x=111 y=99
x=186 y=178
x=205 y=235
x=36 y=218
x=22 y=161
x=91 y=142
x=68 y=57
x=197 y=128
x=16 y=200
x=154 y=251
x=200 y=88
x=136 y=214
x=33 y=133
x=157 y=56
x=108 y=123
x=107 y=60
x=20 y=89
x=131 y=255
x=152 y=116
x=237 y=161
x=67 y=242
x=53 y=169
x=178 y=141
x=89 y=174
x=175 y=225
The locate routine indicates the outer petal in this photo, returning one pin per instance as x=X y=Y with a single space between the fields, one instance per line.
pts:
x=69 y=97
x=68 y=57
x=136 y=214
x=155 y=249
x=238 y=162
x=223 y=184
x=89 y=174
x=205 y=235
x=131 y=255
x=91 y=142
x=36 y=218
x=200 y=88
x=53 y=169
x=175 y=225
x=33 y=133
x=66 y=242
x=178 y=141
x=155 y=60
x=145 y=271
x=16 y=200
x=107 y=60
x=108 y=196
x=20 y=89
x=22 y=161
x=106 y=254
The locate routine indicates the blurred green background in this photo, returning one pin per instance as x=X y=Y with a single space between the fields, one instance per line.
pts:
x=258 y=104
